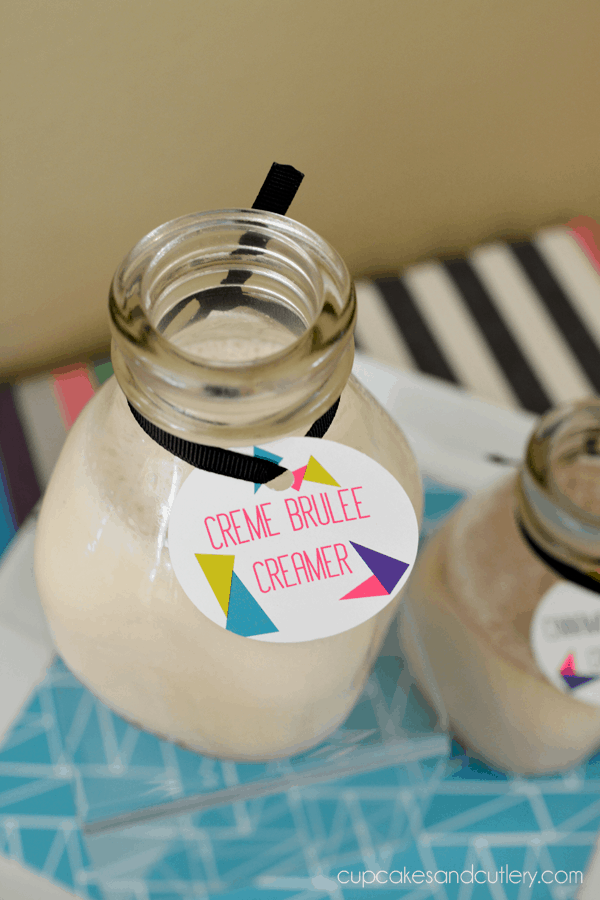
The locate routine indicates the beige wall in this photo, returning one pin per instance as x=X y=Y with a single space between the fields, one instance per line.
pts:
x=421 y=125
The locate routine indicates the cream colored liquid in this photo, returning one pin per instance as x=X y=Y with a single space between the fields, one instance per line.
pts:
x=122 y=623
x=579 y=480
x=233 y=337
x=472 y=596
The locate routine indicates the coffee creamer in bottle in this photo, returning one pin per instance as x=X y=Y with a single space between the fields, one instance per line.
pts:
x=225 y=537
x=505 y=601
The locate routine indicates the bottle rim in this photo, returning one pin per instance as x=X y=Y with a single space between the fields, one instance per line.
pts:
x=148 y=252
x=184 y=392
x=547 y=511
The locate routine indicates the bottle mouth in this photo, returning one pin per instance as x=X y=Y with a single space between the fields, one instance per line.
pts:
x=220 y=306
x=560 y=481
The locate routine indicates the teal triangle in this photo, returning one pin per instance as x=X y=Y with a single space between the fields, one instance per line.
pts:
x=63 y=872
x=36 y=843
x=264 y=454
x=245 y=616
x=35 y=750
x=174 y=866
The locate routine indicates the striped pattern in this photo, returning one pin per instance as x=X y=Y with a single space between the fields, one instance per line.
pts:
x=35 y=416
x=515 y=324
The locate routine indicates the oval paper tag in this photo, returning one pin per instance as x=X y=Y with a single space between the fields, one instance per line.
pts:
x=565 y=640
x=308 y=562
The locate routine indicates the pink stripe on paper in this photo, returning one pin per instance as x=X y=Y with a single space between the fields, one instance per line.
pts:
x=72 y=388
x=586 y=232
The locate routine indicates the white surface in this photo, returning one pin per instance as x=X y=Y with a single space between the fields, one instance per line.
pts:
x=17 y=883
x=25 y=645
x=451 y=434
x=590 y=889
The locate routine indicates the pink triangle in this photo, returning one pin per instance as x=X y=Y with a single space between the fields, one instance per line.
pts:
x=298 y=476
x=372 y=587
x=568 y=667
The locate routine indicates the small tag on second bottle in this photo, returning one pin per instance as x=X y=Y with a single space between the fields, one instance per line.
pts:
x=565 y=640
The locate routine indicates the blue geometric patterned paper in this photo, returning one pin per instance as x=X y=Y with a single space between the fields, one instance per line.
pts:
x=68 y=760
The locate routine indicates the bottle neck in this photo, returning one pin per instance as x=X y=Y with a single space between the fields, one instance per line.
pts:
x=558 y=490
x=231 y=324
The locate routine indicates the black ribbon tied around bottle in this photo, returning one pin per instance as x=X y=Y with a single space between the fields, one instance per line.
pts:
x=569 y=573
x=276 y=195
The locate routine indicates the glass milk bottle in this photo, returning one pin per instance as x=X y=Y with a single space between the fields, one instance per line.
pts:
x=234 y=609
x=506 y=601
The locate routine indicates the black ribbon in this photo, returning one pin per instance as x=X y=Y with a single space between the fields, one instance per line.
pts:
x=226 y=462
x=569 y=573
x=277 y=192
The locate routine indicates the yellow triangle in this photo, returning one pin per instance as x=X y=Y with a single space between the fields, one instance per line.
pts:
x=218 y=570
x=316 y=472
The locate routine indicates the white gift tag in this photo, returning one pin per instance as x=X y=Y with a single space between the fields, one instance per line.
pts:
x=308 y=562
x=565 y=640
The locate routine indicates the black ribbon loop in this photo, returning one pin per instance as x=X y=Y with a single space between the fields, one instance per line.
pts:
x=569 y=573
x=226 y=462
x=276 y=194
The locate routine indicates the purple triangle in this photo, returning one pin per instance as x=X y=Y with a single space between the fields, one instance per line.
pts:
x=575 y=680
x=387 y=570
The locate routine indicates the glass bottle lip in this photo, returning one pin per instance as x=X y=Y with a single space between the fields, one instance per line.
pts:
x=154 y=246
x=552 y=515
x=183 y=392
